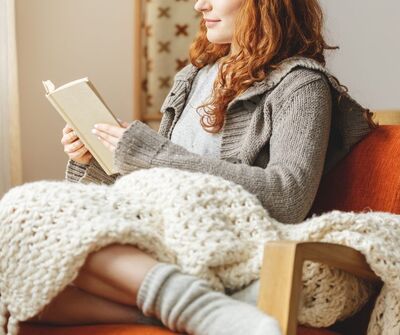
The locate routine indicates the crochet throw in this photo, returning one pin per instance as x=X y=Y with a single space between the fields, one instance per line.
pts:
x=210 y=227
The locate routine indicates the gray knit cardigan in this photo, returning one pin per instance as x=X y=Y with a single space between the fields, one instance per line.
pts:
x=279 y=137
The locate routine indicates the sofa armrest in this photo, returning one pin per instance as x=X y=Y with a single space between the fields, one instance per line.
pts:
x=281 y=274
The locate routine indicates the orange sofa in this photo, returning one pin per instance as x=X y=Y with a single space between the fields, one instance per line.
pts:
x=368 y=178
x=27 y=329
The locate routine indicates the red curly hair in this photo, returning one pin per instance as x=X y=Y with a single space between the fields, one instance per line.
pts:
x=266 y=33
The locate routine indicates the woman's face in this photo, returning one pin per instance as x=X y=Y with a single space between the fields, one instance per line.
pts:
x=220 y=16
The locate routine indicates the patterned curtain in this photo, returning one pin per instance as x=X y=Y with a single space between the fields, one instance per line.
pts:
x=10 y=151
x=168 y=29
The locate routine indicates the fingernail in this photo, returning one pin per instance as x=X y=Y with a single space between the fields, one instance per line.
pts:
x=96 y=125
x=94 y=131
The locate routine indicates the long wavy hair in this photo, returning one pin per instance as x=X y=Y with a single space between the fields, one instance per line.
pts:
x=266 y=33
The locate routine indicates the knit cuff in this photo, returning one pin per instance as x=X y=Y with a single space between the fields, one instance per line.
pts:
x=75 y=171
x=137 y=148
x=149 y=290
x=88 y=173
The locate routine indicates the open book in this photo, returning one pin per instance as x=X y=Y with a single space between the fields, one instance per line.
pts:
x=81 y=106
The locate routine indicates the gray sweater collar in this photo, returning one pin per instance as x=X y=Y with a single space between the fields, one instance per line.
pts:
x=350 y=123
x=184 y=78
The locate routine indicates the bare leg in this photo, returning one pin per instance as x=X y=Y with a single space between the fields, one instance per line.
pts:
x=94 y=285
x=115 y=272
x=104 y=291
x=74 y=306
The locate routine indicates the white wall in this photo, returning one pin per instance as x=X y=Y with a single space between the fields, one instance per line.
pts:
x=63 y=40
x=368 y=62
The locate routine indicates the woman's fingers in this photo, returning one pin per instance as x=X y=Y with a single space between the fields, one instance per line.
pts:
x=69 y=148
x=123 y=123
x=67 y=129
x=106 y=137
x=69 y=138
x=107 y=130
x=78 y=153
x=74 y=147
x=109 y=144
x=109 y=135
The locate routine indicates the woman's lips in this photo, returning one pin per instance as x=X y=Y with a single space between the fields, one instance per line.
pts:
x=211 y=23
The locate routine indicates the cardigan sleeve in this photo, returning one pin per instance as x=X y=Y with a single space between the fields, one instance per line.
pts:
x=88 y=173
x=287 y=186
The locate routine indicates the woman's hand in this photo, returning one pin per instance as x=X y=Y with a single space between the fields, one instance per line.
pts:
x=73 y=146
x=109 y=135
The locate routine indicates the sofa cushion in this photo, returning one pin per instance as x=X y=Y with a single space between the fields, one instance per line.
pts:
x=35 y=329
x=117 y=329
x=367 y=178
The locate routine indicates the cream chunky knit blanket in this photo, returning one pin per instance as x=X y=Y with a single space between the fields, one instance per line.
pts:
x=210 y=227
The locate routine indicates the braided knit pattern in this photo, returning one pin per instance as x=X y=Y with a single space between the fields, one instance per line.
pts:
x=208 y=226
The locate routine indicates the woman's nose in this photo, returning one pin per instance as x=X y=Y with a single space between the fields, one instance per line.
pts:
x=202 y=5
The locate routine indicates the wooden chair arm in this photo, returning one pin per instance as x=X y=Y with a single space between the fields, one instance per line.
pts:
x=281 y=274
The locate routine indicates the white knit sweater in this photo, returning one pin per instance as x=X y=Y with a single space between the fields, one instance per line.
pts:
x=210 y=227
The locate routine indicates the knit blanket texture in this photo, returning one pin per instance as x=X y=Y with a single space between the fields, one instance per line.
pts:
x=210 y=227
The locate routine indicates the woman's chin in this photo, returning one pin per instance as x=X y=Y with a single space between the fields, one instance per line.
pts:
x=212 y=38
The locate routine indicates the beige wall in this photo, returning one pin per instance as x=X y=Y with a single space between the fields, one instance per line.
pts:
x=63 y=40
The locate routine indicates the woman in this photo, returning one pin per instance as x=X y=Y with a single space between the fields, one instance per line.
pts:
x=255 y=106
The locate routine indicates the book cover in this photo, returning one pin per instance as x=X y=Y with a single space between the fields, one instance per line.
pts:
x=81 y=106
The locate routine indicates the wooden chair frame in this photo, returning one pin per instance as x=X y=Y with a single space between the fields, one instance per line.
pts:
x=281 y=274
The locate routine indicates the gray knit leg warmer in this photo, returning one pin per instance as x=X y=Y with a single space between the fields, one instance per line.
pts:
x=187 y=304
